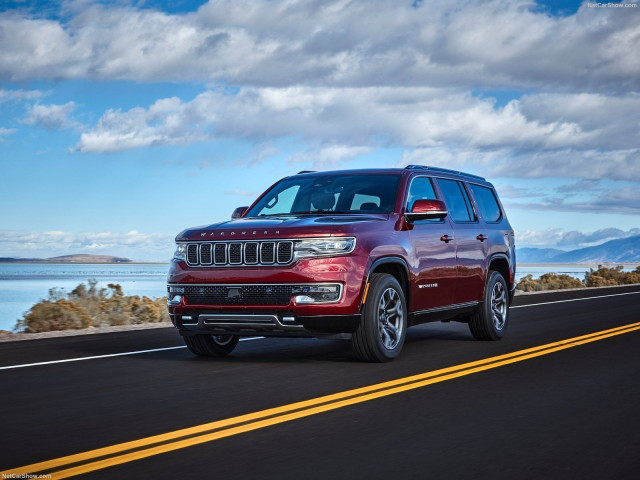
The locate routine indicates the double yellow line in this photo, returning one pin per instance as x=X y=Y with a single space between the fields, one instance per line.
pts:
x=146 y=447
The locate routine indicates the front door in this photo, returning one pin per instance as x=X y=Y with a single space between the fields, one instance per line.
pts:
x=434 y=262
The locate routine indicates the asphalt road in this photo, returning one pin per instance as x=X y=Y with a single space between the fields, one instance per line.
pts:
x=571 y=410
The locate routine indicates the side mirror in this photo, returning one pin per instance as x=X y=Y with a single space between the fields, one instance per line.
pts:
x=425 y=209
x=239 y=212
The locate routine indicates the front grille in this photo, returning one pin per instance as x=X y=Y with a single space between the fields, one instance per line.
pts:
x=285 y=252
x=267 y=250
x=220 y=253
x=192 y=253
x=205 y=254
x=251 y=253
x=240 y=295
x=235 y=254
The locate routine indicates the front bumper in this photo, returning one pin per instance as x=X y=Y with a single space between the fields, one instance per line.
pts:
x=263 y=324
x=277 y=318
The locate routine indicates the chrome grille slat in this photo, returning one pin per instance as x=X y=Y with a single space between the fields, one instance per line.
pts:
x=267 y=252
x=235 y=253
x=285 y=252
x=251 y=253
x=240 y=253
x=220 y=253
x=192 y=254
x=205 y=254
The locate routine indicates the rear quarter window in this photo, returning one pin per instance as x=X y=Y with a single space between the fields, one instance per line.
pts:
x=487 y=203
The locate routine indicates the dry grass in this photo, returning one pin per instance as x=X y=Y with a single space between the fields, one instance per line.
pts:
x=88 y=306
x=600 y=277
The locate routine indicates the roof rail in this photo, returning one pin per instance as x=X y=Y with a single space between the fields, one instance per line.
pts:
x=306 y=171
x=444 y=170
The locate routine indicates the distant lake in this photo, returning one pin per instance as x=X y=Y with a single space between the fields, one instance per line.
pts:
x=24 y=284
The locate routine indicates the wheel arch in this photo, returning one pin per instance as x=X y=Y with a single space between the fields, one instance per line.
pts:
x=499 y=262
x=396 y=267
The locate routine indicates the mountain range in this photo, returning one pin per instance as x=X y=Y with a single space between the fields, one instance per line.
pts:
x=623 y=250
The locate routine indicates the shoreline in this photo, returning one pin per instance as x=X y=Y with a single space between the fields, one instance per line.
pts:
x=82 y=263
x=17 y=337
x=581 y=265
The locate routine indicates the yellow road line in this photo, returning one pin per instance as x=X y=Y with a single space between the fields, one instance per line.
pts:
x=285 y=413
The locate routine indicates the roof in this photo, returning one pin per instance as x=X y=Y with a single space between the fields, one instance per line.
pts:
x=427 y=169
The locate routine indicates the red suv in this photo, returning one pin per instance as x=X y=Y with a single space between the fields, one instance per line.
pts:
x=361 y=254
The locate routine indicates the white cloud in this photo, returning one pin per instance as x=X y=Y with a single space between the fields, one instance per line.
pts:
x=22 y=244
x=593 y=138
x=539 y=238
x=51 y=117
x=338 y=43
x=5 y=131
x=18 y=94
x=558 y=238
x=326 y=157
x=624 y=200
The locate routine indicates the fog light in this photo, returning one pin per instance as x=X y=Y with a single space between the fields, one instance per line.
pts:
x=174 y=299
x=306 y=294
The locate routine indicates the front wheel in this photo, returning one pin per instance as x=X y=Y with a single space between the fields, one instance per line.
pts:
x=491 y=319
x=383 y=324
x=211 y=345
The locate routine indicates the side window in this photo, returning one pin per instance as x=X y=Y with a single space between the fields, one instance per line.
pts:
x=457 y=200
x=487 y=203
x=421 y=189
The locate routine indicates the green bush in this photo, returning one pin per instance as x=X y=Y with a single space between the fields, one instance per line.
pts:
x=90 y=306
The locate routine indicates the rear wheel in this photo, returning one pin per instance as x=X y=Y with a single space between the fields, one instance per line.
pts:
x=211 y=345
x=491 y=320
x=383 y=324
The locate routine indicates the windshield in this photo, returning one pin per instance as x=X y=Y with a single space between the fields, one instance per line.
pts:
x=305 y=194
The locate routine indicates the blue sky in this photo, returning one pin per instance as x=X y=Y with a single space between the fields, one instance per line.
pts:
x=121 y=123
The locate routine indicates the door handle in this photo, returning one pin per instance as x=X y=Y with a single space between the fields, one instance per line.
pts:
x=481 y=237
x=446 y=238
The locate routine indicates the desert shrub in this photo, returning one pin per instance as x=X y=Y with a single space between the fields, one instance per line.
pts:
x=87 y=305
x=607 y=276
x=57 y=315
x=600 y=277
x=548 y=281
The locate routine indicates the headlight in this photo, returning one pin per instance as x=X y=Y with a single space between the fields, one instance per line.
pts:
x=181 y=251
x=322 y=247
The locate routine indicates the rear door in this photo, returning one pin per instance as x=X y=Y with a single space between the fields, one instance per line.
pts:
x=471 y=252
x=433 y=247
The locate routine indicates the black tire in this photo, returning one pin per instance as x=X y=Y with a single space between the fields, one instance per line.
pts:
x=211 y=345
x=383 y=323
x=492 y=318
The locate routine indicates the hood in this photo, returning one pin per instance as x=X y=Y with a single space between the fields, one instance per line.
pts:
x=281 y=227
